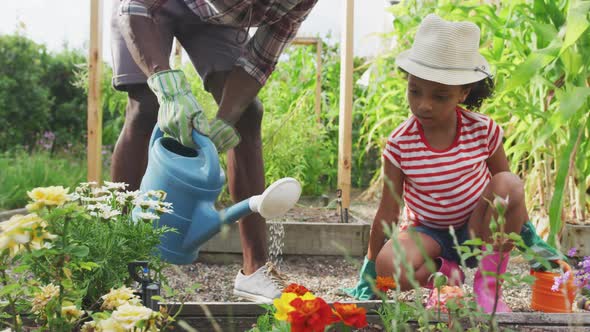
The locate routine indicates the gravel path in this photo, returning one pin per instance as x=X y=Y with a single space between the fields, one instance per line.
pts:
x=323 y=275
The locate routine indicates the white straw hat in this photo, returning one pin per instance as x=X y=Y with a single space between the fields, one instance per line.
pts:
x=445 y=52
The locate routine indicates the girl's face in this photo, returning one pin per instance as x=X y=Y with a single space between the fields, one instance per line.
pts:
x=432 y=103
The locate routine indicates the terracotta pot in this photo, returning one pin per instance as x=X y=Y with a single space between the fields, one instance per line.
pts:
x=546 y=300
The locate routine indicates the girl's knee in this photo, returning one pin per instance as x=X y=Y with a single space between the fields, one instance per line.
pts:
x=508 y=185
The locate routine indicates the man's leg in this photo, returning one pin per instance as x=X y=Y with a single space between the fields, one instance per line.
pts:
x=129 y=159
x=130 y=155
x=245 y=168
x=245 y=173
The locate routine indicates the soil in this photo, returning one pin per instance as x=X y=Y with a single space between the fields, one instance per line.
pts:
x=323 y=275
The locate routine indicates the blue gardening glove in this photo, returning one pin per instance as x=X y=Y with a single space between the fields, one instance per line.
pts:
x=223 y=135
x=540 y=247
x=179 y=110
x=363 y=290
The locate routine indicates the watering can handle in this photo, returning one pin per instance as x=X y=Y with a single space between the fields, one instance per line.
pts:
x=209 y=152
x=205 y=147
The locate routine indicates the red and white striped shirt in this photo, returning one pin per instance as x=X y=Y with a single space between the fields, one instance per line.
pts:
x=442 y=187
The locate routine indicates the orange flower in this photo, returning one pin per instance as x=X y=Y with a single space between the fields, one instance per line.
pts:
x=351 y=315
x=447 y=294
x=310 y=315
x=297 y=289
x=385 y=283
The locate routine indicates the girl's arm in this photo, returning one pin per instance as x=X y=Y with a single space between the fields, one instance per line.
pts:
x=498 y=162
x=388 y=211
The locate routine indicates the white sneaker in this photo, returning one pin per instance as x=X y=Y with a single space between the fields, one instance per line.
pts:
x=264 y=285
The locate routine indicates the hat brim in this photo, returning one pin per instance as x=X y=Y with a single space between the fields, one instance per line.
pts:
x=443 y=76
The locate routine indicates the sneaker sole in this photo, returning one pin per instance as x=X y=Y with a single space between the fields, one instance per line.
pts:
x=252 y=297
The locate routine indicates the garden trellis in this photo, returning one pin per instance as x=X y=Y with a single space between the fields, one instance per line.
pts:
x=94 y=144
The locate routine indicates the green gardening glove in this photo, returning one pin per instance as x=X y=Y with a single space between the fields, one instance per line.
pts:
x=363 y=290
x=539 y=247
x=223 y=135
x=179 y=110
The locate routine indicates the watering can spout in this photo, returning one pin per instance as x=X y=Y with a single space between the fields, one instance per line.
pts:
x=275 y=201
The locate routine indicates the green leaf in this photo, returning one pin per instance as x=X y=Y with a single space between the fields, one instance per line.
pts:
x=571 y=99
x=528 y=279
x=573 y=61
x=473 y=242
x=545 y=33
x=78 y=251
x=555 y=206
x=533 y=64
x=88 y=265
x=576 y=23
x=9 y=289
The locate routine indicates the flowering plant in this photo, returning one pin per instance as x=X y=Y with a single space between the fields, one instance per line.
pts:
x=581 y=273
x=57 y=261
x=299 y=310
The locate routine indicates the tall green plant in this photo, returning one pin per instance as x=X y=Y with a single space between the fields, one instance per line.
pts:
x=541 y=57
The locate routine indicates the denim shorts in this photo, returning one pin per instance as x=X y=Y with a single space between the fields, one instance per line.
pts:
x=445 y=240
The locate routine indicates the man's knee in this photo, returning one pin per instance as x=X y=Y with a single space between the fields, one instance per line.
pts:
x=251 y=121
x=142 y=109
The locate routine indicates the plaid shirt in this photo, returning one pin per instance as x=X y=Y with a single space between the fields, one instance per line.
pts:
x=277 y=22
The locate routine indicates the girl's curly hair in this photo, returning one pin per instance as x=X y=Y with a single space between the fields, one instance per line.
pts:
x=480 y=90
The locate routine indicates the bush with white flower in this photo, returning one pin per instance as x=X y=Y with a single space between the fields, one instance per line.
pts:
x=58 y=261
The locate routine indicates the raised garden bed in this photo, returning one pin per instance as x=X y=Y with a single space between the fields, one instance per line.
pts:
x=241 y=316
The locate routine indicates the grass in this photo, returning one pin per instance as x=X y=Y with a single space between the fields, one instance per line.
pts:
x=23 y=171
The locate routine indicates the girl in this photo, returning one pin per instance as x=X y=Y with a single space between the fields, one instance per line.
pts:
x=448 y=163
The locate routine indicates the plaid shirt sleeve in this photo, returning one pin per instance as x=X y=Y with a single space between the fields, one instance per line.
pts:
x=139 y=7
x=263 y=50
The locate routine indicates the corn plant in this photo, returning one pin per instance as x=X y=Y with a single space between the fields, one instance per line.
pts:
x=541 y=57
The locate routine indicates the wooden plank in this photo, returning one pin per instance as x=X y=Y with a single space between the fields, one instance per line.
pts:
x=94 y=106
x=345 y=118
x=302 y=239
x=5 y=215
x=229 y=316
x=305 y=41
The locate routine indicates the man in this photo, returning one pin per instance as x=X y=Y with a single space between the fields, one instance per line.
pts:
x=214 y=33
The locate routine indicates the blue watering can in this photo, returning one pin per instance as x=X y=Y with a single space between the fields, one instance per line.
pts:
x=193 y=180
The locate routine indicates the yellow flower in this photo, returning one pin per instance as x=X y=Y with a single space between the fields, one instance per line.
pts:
x=117 y=297
x=20 y=230
x=129 y=315
x=110 y=325
x=71 y=313
x=48 y=196
x=283 y=304
x=44 y=296
x=89 y=326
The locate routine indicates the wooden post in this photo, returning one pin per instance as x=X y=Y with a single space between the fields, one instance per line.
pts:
x=318 y=75
x=94 y=124
x=345 y=118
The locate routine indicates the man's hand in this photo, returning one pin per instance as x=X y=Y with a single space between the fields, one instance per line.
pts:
x=364 y=288
x=179 y=110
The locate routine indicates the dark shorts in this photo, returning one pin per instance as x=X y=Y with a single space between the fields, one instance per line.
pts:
x=445 y=240
x=211 y=48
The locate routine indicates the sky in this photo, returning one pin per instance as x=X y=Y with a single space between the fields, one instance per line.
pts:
x=58 y=22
